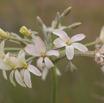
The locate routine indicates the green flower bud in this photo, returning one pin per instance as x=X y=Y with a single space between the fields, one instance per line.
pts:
x=3 y=34
x=25 y=31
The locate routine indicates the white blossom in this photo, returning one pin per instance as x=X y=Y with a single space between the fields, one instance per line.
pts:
x=69 y=43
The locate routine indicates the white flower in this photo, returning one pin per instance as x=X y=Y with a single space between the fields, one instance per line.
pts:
x=99 y=57
x=69 y=43
x=16 y=64
x=27 y=68
x=39 y=50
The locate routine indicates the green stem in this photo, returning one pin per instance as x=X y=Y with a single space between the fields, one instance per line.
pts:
x=19 y=39
x=54 y=85
x=13 y=48
x=93 y=43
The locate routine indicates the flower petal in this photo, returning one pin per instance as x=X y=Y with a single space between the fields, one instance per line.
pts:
x=34 y=70
x=31 y=49
x=59 y=43
x=11 y=78
x=19 y=78
x=4 y=74
x=58 y=72
x=2 y=49
x=69 y=52
x=48 y=62
x=77 y=37
x=52 y=52
x=102 y=34
x=80 y=47
x=40 y=63
x=27 y=78
x=21 y=56
x=4 y=66
x=22 y=73
x=102 y=49
x=61 y=34
x=40 y=45
x=44 y=73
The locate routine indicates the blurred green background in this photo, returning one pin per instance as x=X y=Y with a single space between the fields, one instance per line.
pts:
x=78 y=87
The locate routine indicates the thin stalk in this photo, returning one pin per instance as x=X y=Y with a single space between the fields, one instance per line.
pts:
x=19 y=39
x=54 y=85
x=13 y=48
x=93 y=43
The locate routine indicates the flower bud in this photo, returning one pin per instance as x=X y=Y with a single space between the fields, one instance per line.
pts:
x=66 y=12
x=25 y=31
x=3 y=34
x=40 y=23
x=102 y=34
x=73 y=26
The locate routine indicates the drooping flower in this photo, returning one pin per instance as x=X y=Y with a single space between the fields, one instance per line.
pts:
x=69 y=43
x=39 y=50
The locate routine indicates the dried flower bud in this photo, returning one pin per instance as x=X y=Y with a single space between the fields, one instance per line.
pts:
x=3 y=34
x=25 y=31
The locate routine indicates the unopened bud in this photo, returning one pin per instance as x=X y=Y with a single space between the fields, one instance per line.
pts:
x=57 y=15
x=40 y=23
x=73 y=26
x=25 y=31
x=102 y=34
x=66 y=12
x=3 y=34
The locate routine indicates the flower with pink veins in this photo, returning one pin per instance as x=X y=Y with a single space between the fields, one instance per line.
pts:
x=69 y=43
x=39 y=50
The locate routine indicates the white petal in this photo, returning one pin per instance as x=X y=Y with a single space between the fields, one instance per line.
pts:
x=19 y=78
x=4 y=66
x=2 y=48
x=34 y=70
x=22 y=73
x=102 y=34
x=39 y=44
x=58 y=72
x=27 y=78
x=69 y=52
x=40 y=63
x=11 y=78
x=80 y=47
x=102 y=49
x=53 y=52
x=21 y=56
x=77 y=37
x=61 y=34
x=31 y=49
x=48 y=62
x=4 y=74
x=59 y=43
x=44 y=73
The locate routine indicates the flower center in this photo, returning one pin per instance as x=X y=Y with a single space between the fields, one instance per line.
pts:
x=68 y=43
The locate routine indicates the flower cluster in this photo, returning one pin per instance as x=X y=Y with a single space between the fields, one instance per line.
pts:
x=18 y=67
x=47 y=52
